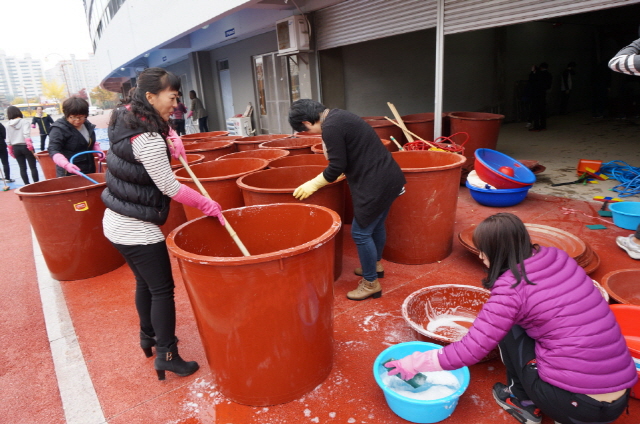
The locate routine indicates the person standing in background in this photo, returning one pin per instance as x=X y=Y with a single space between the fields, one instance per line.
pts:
x=44 y=122
x=4 y=156
x=566 y=84
x=20 y=146
x=539 y=82
x=198 y=112
x=178 y=116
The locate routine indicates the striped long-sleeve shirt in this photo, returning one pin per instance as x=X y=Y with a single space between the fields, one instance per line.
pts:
x=150 y=150
x=627 y=60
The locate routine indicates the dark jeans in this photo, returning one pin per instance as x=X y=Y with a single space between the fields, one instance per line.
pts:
x=539 y=112
x=24 y=156
x=370 y=242
x=518 y=354
x=4 y=157
x=43 y=139
x=180 y=126
x=203 y=125
x=154 y=289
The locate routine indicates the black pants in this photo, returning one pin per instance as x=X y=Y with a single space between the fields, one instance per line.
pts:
x=24 y=156
x=539 y=112
x=43 y=139
x=180 y=126
x=518 y=354
x=154 y=289
x=4 y=157
x=203 y=125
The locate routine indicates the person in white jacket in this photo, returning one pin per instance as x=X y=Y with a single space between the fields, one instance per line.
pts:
x=19 y=144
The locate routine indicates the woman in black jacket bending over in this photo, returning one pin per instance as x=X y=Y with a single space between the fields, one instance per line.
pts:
x=73 y=134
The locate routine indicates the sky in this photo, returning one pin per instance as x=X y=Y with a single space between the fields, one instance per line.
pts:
x=46 y=27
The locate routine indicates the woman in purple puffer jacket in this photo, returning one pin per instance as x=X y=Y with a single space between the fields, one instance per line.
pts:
x=562 y=347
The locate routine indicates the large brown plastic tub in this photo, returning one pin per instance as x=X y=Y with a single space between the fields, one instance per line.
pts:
x=421 y=124
x=277 y=186
x=386 y=130
x=199 y=136
x=192 y=159
x=268 y=154
x=420 y=222
x=252 y=143
x=211 y=149
x=47 y=164
x=295 y=146
x=299 y=160
x=265 y=320
x=66 y=217
x=218 y=177
x=483 y=129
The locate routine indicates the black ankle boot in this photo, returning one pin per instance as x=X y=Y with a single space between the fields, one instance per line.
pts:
x=168 y=359
x=146 y=343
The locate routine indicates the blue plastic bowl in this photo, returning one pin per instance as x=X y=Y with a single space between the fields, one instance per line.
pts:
x=489 y=161
x=499 y=197
x=414 y=410
x=626 y=214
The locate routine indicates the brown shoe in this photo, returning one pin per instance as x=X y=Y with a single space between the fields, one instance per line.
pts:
x=366 y=289
x=379 y=270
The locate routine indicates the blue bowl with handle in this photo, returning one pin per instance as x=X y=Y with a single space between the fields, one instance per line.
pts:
x=499 y=197
x=416 y=410
x=626 y=214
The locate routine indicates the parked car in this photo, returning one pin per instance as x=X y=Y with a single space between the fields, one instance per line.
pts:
x=1 y=116
x=94 y=110
x=52 y=111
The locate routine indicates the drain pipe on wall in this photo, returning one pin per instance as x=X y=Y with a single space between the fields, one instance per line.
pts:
x=437 y=108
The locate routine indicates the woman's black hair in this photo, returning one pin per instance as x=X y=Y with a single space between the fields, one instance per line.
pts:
x=151 y=80
x=75 y=106
x=506 y=243
x=13 y=112
x=304 y=110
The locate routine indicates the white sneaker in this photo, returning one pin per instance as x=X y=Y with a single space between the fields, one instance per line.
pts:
x=627 y=243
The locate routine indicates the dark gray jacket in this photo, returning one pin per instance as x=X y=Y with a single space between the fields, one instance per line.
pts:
x=66 y=139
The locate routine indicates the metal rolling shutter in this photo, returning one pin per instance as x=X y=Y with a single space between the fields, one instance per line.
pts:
x=355 y=21
x=469 y=15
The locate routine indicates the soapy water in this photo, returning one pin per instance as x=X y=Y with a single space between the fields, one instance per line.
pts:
x=448 y=325
x=439 y=384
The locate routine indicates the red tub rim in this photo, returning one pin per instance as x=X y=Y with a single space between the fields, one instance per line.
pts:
x=460 y=160
x=263 y=163
x=244 y=186
x=479 y=116
x=25 y=190
x=304 y=143
x=207 y=146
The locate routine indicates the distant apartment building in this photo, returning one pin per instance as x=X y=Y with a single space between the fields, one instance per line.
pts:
x=74 y=74
x=20 y=77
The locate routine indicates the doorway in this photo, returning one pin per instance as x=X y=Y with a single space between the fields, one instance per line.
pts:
x=224 y=76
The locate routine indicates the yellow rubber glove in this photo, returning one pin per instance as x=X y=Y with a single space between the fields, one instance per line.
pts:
x=310 y=187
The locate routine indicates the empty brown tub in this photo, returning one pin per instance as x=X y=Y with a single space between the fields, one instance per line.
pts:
x=47 y=164
x=295 y=146
x=277 y=186
x=299 y=160
x=211 y=149
x=192 y=159
x=218 y=177
x=66 y=216
x=420 y=222
x=265 y=320
x=483 y=129
x=268 y=154
x=421 y=124
x=252 y=143
x=198 y=136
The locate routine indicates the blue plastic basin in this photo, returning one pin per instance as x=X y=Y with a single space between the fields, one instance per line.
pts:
x=626 y=214
x=498 y=197
x=487 y=165
x=414 y=410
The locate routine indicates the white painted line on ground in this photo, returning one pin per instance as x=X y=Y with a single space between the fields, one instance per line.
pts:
x=79 y=398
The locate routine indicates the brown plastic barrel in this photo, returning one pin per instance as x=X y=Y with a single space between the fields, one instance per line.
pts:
x=483 y=129
x=306 y=134
x=386 y=130
x=295 y=145
x=211 y=149
x=300 y=160
x=277 y=186
x=198 y=136
x=176 y=218
x=218 y=177
x=66 y=217
x=317 y=149
x=47 y=164
x=251 y=143
x=420 y=222
x=265 y=320
x=421 y=124
x=268 y=154
x=192 y=159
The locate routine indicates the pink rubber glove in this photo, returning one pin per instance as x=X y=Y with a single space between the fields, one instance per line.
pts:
x=10 y=148
x=96 y=146
x=417 y=362
x=29 y=144
x=63 y=163
x=190 y=197
x=33 y=125
x=189 y=115
x=178 y=147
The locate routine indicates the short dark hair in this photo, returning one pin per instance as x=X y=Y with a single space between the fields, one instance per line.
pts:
x=39 y=107
x=304 y=110
x=13 y=113
x=75 y=106
x=505 y=241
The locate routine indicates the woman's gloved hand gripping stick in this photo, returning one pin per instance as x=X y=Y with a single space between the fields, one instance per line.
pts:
x=226 y=224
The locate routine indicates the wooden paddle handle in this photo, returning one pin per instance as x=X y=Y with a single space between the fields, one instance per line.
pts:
x=195 y=179
x=400 y=122
x=418 y=137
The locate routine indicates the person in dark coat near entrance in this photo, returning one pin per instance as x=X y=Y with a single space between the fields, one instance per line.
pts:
x=354 y=149
x=73 y=134
x=539 y=83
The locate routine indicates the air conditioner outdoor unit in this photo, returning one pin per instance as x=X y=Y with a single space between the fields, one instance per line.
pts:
x=293 y=35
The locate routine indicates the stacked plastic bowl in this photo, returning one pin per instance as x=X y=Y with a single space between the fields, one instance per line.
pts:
x=510 y=179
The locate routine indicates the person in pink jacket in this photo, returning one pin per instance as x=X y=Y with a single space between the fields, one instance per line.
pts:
x=561 y=345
